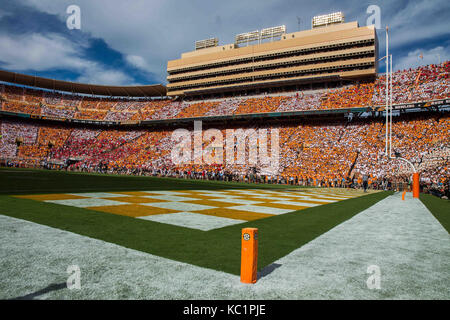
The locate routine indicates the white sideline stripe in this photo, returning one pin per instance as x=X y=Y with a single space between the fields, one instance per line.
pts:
x=193 y=220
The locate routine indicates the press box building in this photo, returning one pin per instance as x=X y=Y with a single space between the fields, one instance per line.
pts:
x=331 y=53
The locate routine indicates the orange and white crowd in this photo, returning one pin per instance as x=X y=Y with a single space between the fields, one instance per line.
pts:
x=323 y=153
x=424 y=83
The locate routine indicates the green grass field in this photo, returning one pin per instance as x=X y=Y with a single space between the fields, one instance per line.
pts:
x=31 y=181
x=217 y=249
x=440 y=208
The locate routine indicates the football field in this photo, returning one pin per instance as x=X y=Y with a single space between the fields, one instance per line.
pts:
x=167 y=238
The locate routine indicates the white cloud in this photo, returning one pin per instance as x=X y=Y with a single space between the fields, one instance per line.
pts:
x=98 y=75
x=138 y=62
x=431 y=56
x=40 y=52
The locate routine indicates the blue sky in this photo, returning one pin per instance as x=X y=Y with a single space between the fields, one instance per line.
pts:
x=129 y=42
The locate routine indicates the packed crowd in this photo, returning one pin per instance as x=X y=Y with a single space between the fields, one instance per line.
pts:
x=420 y=84
x=57 y=111
x=21 y=107
x=331 y=154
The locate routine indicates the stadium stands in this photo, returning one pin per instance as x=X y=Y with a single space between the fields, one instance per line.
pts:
x=323 y=153
x=319 y=154
x=421 y=84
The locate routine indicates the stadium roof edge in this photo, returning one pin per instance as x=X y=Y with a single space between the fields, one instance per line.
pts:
x=154 y=90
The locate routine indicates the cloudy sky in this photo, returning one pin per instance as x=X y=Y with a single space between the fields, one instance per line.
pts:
x=129 y=42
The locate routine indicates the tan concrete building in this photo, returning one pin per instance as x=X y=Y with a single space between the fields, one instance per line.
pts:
x=325 y=56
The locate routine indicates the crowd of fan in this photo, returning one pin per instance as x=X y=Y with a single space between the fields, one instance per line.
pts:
x=196 y=109
x=21 y=107
x=332 y=154
x=118 y=116
x=57 y=111
x=14 y=133
x=419 y=84
x=225 y=107
x=260 y=105
x=302 y=102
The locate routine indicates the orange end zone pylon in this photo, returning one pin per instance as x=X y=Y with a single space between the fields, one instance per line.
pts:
x=403 y=195
x=415 y=185
x=249 y=255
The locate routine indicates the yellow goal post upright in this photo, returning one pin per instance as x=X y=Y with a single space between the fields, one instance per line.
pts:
x=388 y=113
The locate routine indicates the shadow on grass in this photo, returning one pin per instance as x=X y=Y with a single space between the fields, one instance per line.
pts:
x=268 y=270
x=50 y=288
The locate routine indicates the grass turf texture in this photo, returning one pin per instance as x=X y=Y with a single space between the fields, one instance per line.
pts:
x=440 y=208
x=29 y=181
x=217 y=249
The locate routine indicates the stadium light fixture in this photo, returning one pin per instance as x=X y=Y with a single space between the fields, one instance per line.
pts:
x=207 y=43
x=267 y=33
x=327 y=19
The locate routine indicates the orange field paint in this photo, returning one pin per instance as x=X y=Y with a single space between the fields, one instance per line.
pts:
x=416 y=185
x=249 y=255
